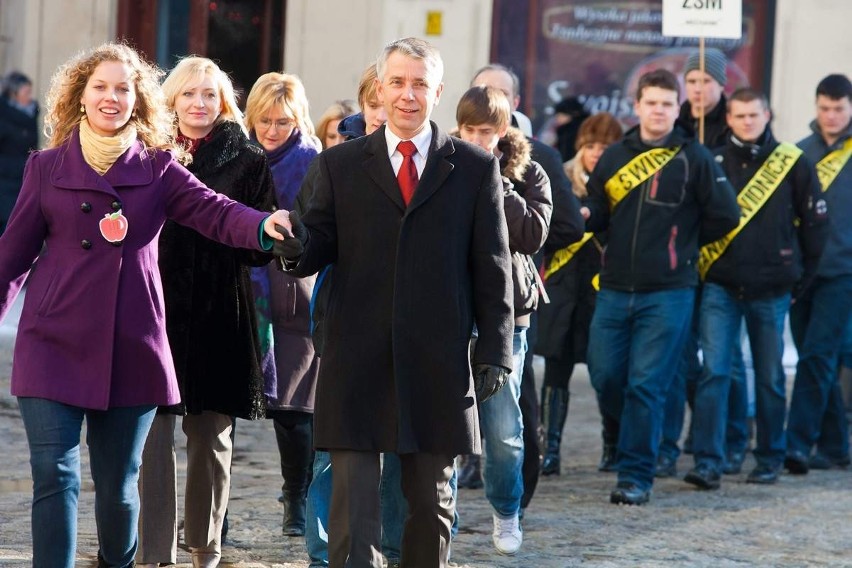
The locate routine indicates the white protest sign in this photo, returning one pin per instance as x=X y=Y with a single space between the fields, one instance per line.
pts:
x=703 y=18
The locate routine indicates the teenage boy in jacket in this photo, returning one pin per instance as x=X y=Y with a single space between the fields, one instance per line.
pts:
x=750 y=273
x=483 y=116
x=566 y=227
x=705 y=94
x=818 y=319
x=661 y=195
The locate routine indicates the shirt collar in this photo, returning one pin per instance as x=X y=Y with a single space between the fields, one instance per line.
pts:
x=422 y=140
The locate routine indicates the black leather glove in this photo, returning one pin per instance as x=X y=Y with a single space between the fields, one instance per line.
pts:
x=488 y=379
x=291 y=248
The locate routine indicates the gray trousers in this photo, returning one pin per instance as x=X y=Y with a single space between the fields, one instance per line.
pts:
x=208 y=483
x=354 y=525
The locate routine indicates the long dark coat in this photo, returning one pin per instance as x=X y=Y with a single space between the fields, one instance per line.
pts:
x=18 y=136
x=210 y=316
x=408 y=284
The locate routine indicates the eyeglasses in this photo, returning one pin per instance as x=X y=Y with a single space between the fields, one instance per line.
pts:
x=267 y=124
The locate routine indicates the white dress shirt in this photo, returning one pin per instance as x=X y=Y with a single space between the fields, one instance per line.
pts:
x=422 y=141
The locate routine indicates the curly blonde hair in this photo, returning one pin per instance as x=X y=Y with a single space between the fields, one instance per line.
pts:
x=282 y=90
x=195 y=68
x=151 y=117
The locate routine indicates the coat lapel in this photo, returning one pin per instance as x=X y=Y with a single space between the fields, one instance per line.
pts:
x=379 y=168
x=438 y=167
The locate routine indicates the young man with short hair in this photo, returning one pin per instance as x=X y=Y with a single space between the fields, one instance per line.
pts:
x=483 y=117
x=819 y=318
x=660 y=195
x=750 y=273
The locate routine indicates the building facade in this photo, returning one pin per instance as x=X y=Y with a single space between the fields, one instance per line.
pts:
x=327 y=43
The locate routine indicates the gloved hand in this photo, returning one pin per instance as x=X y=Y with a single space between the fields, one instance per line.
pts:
x=291 y=248
x=488 y=379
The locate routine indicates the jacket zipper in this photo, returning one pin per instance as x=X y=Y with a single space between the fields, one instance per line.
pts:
x=673 y=248
x=636 y=235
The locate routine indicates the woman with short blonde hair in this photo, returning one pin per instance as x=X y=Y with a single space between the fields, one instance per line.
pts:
x=211 y=326
x=277 y=117
x=192 y=70
x=283 y=91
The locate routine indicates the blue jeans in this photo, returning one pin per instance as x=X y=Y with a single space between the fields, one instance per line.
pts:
x=741 y=396
x=818 y=321
x=681 y=391
x=721 y=320
x=115 y=438
x=503 y=430
x=394 y=509
x=636 y=340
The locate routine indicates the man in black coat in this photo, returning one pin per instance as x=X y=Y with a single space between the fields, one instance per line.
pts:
x=18 y=137
x=412 y=274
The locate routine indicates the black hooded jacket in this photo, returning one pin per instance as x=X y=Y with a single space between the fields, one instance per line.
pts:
x=655 y=231
x=780 y=247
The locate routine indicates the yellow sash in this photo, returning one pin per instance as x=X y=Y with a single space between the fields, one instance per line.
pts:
x=753 y=196
x=562 y=256
x=828 y=168
x=628 y=177
x=637 y=171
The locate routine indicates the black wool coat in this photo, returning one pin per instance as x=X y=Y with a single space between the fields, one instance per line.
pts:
x=18 y=137
x=210 y=314
x=408 y=284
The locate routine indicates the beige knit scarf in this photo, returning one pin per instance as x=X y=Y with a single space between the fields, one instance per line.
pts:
x=101 y=152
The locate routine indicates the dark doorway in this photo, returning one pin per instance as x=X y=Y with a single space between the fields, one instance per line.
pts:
x=245 y=37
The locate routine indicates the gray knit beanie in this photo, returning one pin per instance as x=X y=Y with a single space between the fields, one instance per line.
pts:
x=715 y=64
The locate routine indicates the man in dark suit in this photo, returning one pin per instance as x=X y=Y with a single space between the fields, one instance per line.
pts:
x=414 y=222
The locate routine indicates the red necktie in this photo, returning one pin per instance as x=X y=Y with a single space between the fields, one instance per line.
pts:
x=407 y=175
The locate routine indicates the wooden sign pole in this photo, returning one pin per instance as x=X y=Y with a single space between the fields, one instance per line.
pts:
x=701 y=99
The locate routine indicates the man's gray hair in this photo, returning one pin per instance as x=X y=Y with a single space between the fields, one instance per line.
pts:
x=415 y=48
x=516 y=82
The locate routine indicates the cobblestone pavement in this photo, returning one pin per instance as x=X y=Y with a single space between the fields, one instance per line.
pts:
x=802 y=521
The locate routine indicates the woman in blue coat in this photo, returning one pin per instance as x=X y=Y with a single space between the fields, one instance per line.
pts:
x=277 y=117
x=91 y=339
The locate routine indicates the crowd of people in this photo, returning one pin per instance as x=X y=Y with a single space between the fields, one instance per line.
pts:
x=201 y=263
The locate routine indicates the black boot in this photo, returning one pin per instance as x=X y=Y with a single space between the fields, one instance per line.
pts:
x=608 y=457
x=555 y=410
x=610 y=446
x=470 y=473
x=295 y=518
x=294 y=435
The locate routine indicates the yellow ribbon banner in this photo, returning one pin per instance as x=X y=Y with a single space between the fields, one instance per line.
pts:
x=636 y=171
x=753 y=196
x=828 y=168
x=617 y=187
x=561 y=257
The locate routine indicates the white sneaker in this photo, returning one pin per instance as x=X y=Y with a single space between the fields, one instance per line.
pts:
x=507 y=535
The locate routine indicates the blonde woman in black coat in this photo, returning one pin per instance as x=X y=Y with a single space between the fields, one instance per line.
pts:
x=211 y=325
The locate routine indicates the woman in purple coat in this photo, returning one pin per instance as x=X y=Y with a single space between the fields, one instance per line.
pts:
x=91 y=340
